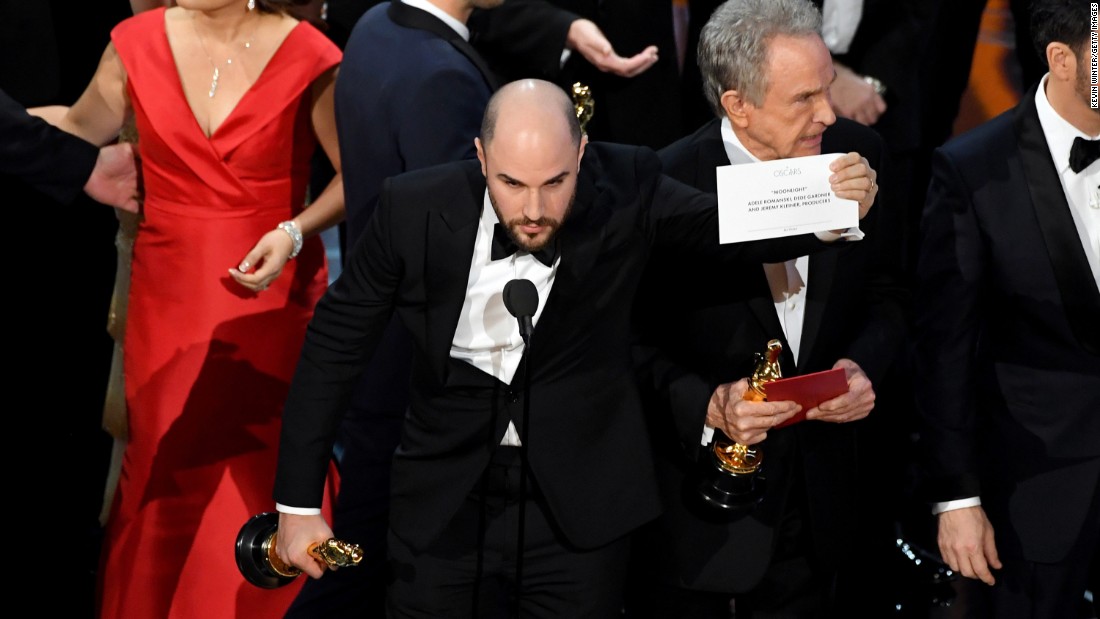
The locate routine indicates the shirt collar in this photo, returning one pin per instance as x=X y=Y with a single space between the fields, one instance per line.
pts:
x=457 y=26
x=1058 y=131
x=735 y=151
x=488 y=213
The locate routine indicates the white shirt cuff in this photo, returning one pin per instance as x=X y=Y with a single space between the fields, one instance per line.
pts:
x=300 y=511
x=565 y=54
x=849 y=234
x=946 y=506
x=708 y=435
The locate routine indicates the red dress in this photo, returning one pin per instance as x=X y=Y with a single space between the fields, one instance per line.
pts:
x=207 y=362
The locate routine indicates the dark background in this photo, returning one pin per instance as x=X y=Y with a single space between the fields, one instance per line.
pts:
x=61 y=265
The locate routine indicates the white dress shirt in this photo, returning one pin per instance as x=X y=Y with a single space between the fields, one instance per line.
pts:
x=1082 y=191
x=487 y=336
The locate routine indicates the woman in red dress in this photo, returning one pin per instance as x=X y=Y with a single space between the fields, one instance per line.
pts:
x=230 y=98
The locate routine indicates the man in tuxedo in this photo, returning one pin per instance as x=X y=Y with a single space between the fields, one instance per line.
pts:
x=1008 y=340
x=411 y=94
x=496 y=496
x=62 y=165
x=767 y=74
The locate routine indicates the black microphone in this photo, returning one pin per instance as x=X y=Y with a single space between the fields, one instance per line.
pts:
x=522 y=301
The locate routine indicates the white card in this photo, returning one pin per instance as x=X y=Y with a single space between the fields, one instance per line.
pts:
x=785 y=197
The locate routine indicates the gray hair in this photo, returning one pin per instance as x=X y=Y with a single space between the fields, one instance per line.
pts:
x=733 y=46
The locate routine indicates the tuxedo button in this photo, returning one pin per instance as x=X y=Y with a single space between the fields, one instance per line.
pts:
x=513 y=397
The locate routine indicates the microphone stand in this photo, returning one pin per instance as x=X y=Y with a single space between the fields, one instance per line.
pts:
x=523 y=468
x=522 y=301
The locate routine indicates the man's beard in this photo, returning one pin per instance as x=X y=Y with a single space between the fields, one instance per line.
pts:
x=1083 y=80
x=526 y=241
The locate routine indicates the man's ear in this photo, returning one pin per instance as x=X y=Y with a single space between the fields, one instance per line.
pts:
x=580 y=154
x=736 y=107
x=481 y=157
x=1062 y=61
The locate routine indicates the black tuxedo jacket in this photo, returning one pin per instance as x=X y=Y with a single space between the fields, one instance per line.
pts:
x=40 y=155
x=411 y=94
x=1008 y=338
x=587 y=444
x=699 y=328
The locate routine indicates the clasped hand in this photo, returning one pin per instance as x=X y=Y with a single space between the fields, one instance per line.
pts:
x=296 y=535
x=745 y=421
x=854 y=179
x=851 y=406
x=268 y=258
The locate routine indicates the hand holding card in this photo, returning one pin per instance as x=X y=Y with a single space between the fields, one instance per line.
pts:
x=809 y=390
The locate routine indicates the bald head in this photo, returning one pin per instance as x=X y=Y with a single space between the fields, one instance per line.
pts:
x=531 y=106
x=530 y=151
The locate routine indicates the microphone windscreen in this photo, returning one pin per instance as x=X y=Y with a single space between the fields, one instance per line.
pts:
x=521 y=298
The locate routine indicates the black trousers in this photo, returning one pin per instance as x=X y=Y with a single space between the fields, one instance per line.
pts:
x=794 y=586
x=1029 y=590
x=472 y=569
x=791 y=589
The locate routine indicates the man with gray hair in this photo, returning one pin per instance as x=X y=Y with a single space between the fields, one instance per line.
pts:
x=766 y=73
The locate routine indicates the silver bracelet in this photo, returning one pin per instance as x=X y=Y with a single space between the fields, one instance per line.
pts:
x=291 y=228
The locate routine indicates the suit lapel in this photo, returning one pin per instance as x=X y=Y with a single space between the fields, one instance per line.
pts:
x=451 y=232
x=821 y=272
x=411 y=17
x=711 y=154
x=1076 y=284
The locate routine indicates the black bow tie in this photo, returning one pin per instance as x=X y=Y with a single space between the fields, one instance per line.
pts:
x=504 y=246
x=1083 y=153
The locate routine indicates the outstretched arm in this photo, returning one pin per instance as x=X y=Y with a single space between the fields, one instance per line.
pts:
x=586 y=38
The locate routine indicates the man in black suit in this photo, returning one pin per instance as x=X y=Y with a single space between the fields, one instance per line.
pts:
x=1008 y=335
x=411 y=94
x=463 y=519
x=767 y=74
x=62 y=165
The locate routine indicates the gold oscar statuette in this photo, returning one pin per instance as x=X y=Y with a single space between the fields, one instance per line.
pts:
x=583 y=104
x=733 y=480
x=261 y=566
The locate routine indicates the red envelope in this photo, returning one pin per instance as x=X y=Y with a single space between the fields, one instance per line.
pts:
x=809 y=390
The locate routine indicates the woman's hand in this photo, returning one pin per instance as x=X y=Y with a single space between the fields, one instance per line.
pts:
x=264 y=262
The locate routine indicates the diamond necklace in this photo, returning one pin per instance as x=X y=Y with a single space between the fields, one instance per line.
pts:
x=214 y=65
